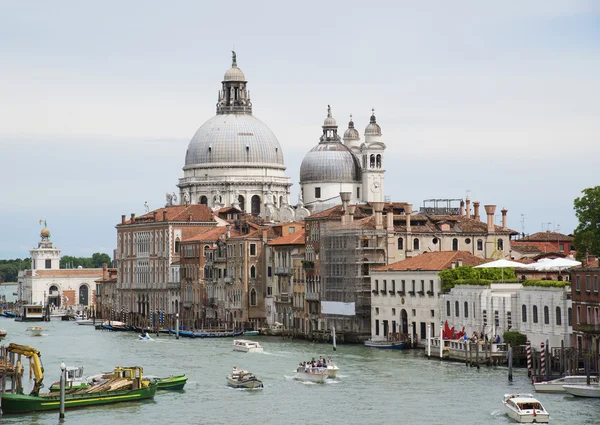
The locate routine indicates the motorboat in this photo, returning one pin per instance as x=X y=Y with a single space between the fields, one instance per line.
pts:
x=35 y=330
x=145 y=337
x=86 y=322
x=583 y=390
x=525 y=409
x=250 y=333
x=247 y=346
x=75 y=379
x=243 y=379
x=332 y=370
x=3 y=333
x=312 y=374
x=556 y=385
x=173 y=382
x=398 y=345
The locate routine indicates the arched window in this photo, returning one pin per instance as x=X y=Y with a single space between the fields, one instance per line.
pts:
x=83 y=295
x=454 y=244
x=416 y=244
x=479 y=245
x=546 y=315
x=206 y=249
x=252 y=272
x=456 y=309
x=534 y=314
x=448 y=308
x=255 y=205
x=524 y=313
x=372 y=161
x=466 y=309
x=203 y=200
x=378 y=160
x=400 y=243
x=500 y=244
x=242 y=202
x=558 y=316
x=253 y=297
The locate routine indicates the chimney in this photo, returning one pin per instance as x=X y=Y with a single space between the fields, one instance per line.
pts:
x=504 y=211
x=264 y=235
x=228 y=227
x=123 y=219
x=462 y=207
x=408 y=212
x=351 y=210
x=458 y=262
x=476 y=212
x=132 y=218
x=104 y=267
x=389 y=220
x=468 y=209
x=378 y=209
x=154 y=215
x=345 y=197
x=164 y=215
x=189 y=217
x=490 y=210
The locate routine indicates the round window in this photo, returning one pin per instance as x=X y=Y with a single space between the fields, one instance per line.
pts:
x=468 y=241
x=435 y=241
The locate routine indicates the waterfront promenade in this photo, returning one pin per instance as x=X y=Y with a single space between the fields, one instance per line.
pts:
x=374 y=386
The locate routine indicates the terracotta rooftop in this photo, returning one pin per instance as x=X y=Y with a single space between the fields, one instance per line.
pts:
x=177 y=213
x=548 y=236
x=433 y=261
x=208 y=234
x=296 y=238
x=533 y=247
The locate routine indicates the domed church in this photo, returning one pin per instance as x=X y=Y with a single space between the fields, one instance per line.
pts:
x=235 y=160
x=334 y=166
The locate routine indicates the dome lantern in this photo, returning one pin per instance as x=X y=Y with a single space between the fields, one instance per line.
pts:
x=373 y=129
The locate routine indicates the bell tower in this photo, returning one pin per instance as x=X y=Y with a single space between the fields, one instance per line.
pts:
x=45 y=256
x=373 y=170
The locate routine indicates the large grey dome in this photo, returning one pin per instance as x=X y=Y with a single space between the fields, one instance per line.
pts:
x=234 y=139
x=330 y=162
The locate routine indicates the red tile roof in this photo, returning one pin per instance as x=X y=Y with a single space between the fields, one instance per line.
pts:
x=208 y=234
x=548 y=236
x=533 y=247
x=296 y=238
x=177 y=213
x=433 y=261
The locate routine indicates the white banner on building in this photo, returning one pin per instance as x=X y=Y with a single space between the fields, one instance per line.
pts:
x=335 y=307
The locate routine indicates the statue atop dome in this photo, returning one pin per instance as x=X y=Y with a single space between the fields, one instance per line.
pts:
x=233 y=58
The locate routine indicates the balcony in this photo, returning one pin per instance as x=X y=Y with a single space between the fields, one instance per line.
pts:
x=282 y=270
x=313 y=296
x=211 y=301
x=308 y=265
x=187 y=304
x=283 y=298
x=173 y=285
x=228 y=279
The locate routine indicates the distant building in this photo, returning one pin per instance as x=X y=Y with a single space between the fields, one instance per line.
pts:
x=106 y=293
x=562 y=243
x=47 y=284
x=586 y=306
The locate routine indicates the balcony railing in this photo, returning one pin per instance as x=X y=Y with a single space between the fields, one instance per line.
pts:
x=313 y=296
x=283 y=298
x=282 y=270
x=227 y=279
x=173 y=285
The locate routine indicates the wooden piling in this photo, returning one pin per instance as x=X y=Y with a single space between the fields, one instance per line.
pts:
x=510 y=363
x=477 y=355
x=466 y=355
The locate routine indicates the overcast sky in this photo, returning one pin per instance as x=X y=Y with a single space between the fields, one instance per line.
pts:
x=98 y=101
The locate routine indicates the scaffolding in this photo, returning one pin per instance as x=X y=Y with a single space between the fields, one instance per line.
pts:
x=348 y=252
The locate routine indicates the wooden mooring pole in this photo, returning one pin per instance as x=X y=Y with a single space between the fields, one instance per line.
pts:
x=510 y=363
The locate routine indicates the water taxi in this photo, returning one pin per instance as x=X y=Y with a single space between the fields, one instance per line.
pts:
x=583 y=390
x=312 y=374
x=525 y=409
x=556 y=385
x=243 y=379
x=246 y=346
x=35 y=330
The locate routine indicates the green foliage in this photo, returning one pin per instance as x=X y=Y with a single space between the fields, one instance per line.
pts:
x=95 y=261
x=547 y=283
x=9 y=269
x=514 y=338
x=467 y=275
x=587 y=233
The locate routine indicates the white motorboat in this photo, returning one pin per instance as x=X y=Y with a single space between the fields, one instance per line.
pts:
x=35 y=330
x=3 y=333
x=583 y=390
x=243 y=379
x=246 y=346
x=145 y=337
x=332 y=370
x=313 y=374
x=525 y=409
x=556 y=385
x=86 y=322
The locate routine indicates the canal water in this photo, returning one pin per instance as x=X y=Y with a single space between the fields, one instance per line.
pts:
x=373 y=386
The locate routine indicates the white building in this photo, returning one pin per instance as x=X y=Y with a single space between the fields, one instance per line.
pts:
x=234 y=159
x=47 y=284
x=332 y=167
x=543 y=313
x=405 y=295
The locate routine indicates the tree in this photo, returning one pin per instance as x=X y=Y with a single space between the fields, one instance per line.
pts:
x=587 y=233
x=98 y=259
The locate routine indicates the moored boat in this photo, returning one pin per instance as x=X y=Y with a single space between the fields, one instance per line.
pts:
x=398 y=345
x=525 y=409
x=85 y=322
x=250 y=333
x=247 y=346
x=556 y=385
x=243 y=379
x=592 y=391
x=171 y=383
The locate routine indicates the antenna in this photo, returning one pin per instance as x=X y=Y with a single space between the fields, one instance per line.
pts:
x=467 y=191
x=523 y=224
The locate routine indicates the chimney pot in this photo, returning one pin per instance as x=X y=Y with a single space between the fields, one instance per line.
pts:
x=468 y=208
x=164 y=217
x=476 y=211
x=504 y=211
x=123 y=219
x=351 y=210
x=154 y=215
x=490 y=211
x=132 y=218
x=408 y=212
x=462 y=207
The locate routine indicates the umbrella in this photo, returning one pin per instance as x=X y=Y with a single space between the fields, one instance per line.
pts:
x=548 y=264
x=500 y=264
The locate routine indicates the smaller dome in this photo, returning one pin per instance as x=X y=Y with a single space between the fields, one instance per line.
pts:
x=351 y=133
x=45 y=233
x=373 y=128
x=329 y=121
x=234 y=74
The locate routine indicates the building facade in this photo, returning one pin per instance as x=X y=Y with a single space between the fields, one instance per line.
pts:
x=586 y=306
